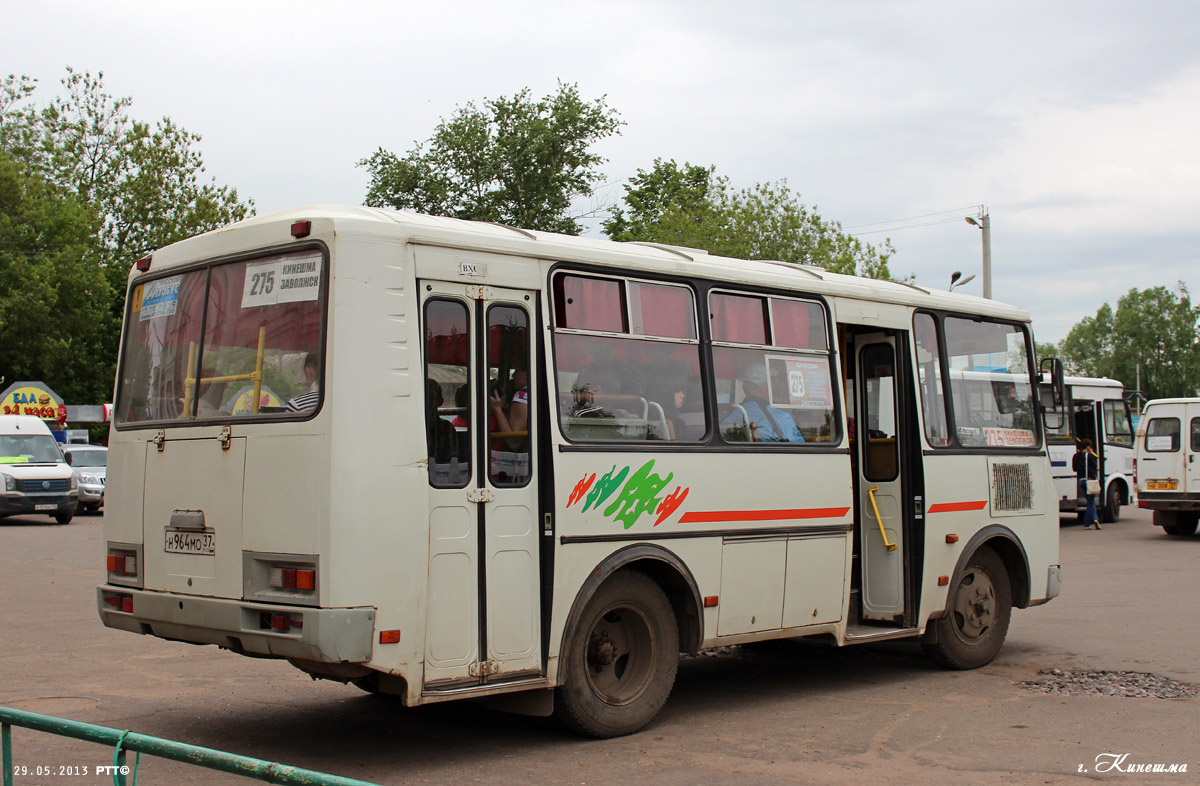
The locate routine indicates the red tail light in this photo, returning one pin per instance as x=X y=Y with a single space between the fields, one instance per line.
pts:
x=280 y=577
x=119 y=601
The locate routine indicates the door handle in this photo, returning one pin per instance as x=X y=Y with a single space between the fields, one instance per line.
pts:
x=882 y=533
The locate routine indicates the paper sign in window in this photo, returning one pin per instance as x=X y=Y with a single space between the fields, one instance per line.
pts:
x=160 y=298
x=285 y=280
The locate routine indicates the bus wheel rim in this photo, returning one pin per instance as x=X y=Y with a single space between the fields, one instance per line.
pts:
x=620 y=654
x=975 y=605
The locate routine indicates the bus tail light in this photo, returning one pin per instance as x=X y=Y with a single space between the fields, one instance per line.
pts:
x=282 y=623
x=119 y=601
x=1135 y=473
x=280 y=577
x=124 y=564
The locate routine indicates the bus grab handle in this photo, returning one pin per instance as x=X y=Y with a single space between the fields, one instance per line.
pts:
x=883 y=534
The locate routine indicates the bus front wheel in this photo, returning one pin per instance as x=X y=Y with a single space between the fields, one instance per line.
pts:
x=979 y=608
x=621 y=664
x=1112 y=504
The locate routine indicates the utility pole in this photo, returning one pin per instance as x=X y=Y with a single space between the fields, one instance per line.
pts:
x=984 y=222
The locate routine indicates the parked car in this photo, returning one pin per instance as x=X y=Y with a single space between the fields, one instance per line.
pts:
x=90 y=463
x=1167 y=475
x=35 y=476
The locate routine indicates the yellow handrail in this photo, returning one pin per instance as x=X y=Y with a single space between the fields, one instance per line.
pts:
x=189 y=383
x=878 y=520
x=262 y=336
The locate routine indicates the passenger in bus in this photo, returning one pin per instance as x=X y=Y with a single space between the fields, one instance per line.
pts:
x=588 y=385
x=442 y=438
x=513 y=415
x=312 y=374
x=211 y=393
x=462 y=417
x=767 y=423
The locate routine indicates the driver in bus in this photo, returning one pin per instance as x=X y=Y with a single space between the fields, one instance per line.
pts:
x=767 y=423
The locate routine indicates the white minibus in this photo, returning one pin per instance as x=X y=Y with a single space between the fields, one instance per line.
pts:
x=442 y=459
x=1166 y=471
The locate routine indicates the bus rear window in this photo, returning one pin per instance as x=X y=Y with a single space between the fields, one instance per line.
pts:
x=235 y=340
x=1162 y=435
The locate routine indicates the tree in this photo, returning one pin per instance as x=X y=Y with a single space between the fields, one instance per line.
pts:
x=515 y=161
x=693 y=206
x=1046 y=350
x=144 y=180
x=55 y=312
x=141 y=186
x=1153 y=334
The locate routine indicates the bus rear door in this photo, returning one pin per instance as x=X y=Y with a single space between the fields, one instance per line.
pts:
x=483 y=607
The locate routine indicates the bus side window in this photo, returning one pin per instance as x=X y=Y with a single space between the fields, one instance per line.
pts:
x=447 y=370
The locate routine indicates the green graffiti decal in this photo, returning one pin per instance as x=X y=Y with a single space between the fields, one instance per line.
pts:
x=605 y=487
x=640 y=495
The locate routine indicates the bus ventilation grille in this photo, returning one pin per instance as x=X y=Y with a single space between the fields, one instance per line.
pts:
x=1012 y=487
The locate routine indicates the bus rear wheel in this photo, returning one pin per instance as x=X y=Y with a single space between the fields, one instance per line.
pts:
x=979 y=609
x=621 y=664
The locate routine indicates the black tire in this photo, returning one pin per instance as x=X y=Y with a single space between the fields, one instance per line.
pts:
x=1112 y=504
x=64 y=516
x=621 y=661
x=978 y=612
x=1179 y=524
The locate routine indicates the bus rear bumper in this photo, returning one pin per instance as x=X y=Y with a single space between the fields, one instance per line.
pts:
x=258 y=629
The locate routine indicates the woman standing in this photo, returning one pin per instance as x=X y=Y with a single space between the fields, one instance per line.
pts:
x=1086 y=464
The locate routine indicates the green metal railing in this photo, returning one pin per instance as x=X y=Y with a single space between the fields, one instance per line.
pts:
x=125 y=740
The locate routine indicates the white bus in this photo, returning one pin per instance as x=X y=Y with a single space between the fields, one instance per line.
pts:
x=1095 y=409
x=444 y=459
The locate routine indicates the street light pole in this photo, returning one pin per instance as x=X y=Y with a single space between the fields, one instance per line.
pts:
x=985 y=223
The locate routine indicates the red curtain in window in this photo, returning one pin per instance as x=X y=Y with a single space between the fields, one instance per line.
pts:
x=289 y=326
x=446 y=333
x=589 y=304
x=739 y=319
x=798 y=324
x=665 y=311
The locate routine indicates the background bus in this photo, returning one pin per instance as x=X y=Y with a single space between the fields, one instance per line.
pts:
x=1096 y=409
x=443 y=459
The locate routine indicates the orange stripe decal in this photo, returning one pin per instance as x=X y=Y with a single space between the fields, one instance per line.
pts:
x=957 y=507
x=709 y=516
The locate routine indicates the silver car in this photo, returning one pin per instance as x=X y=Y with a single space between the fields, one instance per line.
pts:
x=90 y=464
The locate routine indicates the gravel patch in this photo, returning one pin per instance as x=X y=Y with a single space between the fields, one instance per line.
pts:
x=1126 y=684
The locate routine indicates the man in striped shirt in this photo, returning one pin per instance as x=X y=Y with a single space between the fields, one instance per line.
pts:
x=312 y=375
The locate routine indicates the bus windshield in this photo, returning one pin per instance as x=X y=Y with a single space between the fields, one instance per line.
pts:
x=231 y=340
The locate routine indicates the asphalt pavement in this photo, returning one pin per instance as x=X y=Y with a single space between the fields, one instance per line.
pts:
x=788 y=712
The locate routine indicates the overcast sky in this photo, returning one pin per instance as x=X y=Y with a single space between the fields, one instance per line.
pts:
x=1076 y=123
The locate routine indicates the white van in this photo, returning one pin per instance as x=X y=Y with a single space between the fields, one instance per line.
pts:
x=1166 y=472
x=37 y=479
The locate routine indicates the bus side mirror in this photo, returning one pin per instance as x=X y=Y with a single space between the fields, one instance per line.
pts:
x=1055 y=416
